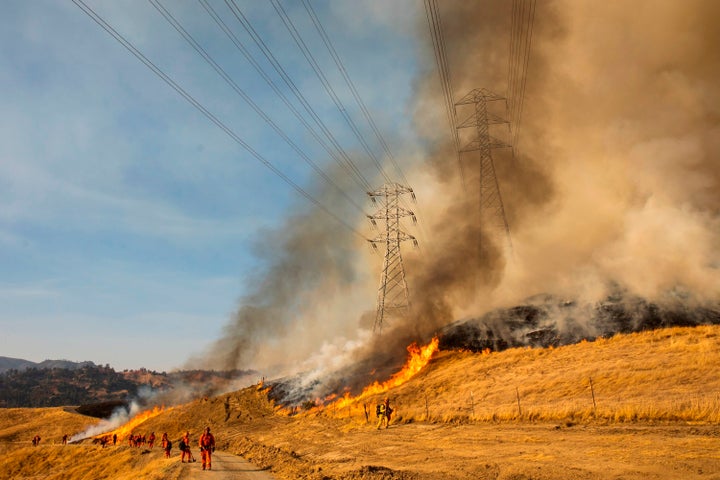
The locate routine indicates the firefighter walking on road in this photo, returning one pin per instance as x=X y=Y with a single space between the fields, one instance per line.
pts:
x=207 y=447
x=384 y=412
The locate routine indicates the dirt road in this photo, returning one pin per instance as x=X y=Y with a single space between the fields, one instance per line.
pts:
x=316 y=449
x=225 y=466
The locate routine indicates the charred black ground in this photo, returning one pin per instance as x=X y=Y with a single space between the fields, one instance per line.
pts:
x=541 y=321
x=548 y=321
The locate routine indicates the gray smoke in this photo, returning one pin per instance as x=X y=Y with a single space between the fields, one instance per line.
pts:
x=616 y=187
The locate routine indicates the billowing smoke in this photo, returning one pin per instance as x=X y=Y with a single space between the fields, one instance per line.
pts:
x=307 y=294
x=615 y=188
x=119 y=417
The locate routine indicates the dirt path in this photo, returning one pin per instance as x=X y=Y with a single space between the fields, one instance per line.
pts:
x=495 y=451
x=225 y=466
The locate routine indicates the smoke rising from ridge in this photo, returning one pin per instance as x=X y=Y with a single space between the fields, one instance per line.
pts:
x=616 y=186
x=617 y=182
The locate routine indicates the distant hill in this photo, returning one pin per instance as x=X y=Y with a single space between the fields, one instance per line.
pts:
x=54 y=383
x=52 y=387
x=9 y=363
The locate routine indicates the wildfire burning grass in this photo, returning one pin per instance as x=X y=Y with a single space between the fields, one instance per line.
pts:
x=663 y=375
x=128 y=428
x=418 y=358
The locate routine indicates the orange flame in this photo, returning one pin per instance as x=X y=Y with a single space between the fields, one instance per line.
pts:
x=418 y=357
x=126 y=429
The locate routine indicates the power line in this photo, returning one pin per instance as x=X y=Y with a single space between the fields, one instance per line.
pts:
x=289 y=25
x=434 y=24
x=366 y=113
x=220 y=71
x=347 y=166
x=209 y=115
x=338 y=61
x=521 y=30
x=259 y=42
x=524 y=78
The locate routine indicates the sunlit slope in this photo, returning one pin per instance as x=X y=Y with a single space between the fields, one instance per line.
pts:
x=54 y=461
x=664 y=375
x=85 y=462
x=668 y=374
x=22 y=424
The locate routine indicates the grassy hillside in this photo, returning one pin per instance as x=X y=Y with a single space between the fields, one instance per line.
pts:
x=668 y=374
x=655 y=383
x=20 y=425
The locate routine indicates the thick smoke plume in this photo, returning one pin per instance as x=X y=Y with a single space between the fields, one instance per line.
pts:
x=617 y=182
x=615 y=188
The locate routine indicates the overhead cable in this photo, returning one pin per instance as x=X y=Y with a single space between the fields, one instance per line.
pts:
x=220 y=71
x=339 y=63
x=290 y=26
x=260 y=43
x=433 y=17
x=209 y=115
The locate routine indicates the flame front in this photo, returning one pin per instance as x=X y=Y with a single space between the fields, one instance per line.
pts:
x=126 y=429
x=418 y=357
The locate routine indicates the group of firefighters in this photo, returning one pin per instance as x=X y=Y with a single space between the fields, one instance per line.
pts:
x=206 y=444
x=207 y=440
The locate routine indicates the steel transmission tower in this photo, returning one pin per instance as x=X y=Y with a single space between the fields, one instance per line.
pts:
x=393 y=292
x=491 y=209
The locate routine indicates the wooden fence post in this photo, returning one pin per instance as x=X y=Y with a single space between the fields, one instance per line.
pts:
x=592 y=391
x=517 y=394
x=472 y=404
x=427 y=409
x=367 y=417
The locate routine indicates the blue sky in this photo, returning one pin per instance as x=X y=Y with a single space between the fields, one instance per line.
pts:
x=127 y=219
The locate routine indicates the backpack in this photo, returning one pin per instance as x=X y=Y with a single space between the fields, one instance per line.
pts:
x=379 y=409
x=182 y=445
x=169 y=445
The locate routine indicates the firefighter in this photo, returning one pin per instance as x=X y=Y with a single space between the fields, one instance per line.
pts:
x=207 y=447
x=185 y=448
x=166 y=444
x=384 y=412
x=151 y=440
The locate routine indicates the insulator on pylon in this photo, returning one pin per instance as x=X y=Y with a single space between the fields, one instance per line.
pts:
x=415 y=243
x=412 y=195
x=414 y=219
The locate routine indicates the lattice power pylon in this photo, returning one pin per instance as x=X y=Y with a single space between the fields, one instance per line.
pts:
x=393 y=292
x=491 y=209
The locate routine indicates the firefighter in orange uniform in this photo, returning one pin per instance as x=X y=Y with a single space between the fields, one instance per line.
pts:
x=384 y=411
x=207 y=446
x=185 y=448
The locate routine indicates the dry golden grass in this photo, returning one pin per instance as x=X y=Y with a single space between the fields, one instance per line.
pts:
x=662 y=375
x=85 y=462
x=22 y=424
x=52 y=460
x=666 y=375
